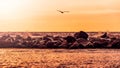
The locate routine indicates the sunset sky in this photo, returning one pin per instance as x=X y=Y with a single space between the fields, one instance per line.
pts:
x=42 y=15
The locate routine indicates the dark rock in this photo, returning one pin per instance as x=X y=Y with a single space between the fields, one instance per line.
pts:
x=63 y=44
x=81 y=34
x=81 y=46
x=80 y=43
x=29 y=38
x=83 y=42
x=116 y=44
x=101 y=43
x=52 y=44
x=70 y=39
x=105 y=35
x=75 y=45
x=90 y=45
x=46 y=38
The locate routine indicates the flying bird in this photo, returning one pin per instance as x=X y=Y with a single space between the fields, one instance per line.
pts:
x=62 y=11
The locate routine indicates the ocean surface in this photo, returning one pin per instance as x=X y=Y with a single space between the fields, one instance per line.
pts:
x=59 y=58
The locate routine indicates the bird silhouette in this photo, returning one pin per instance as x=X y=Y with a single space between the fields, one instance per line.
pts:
x=62 y=11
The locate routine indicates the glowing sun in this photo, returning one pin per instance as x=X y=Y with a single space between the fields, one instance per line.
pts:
x=8 y=7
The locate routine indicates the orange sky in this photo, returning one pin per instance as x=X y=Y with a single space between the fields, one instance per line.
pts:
x=41 y=15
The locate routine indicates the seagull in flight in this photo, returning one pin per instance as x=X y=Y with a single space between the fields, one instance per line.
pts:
x=62 y=11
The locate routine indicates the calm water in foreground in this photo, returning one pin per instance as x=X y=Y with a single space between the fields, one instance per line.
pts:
x=59 y=58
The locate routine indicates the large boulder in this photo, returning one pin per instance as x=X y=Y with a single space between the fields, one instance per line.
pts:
x=81 y=34
x=70 y=39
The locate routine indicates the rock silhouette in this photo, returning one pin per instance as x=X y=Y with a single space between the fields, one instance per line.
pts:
x=77 y=40
x=81 y=34
x=116 y=43
x=70 y=39
x=105 y=35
